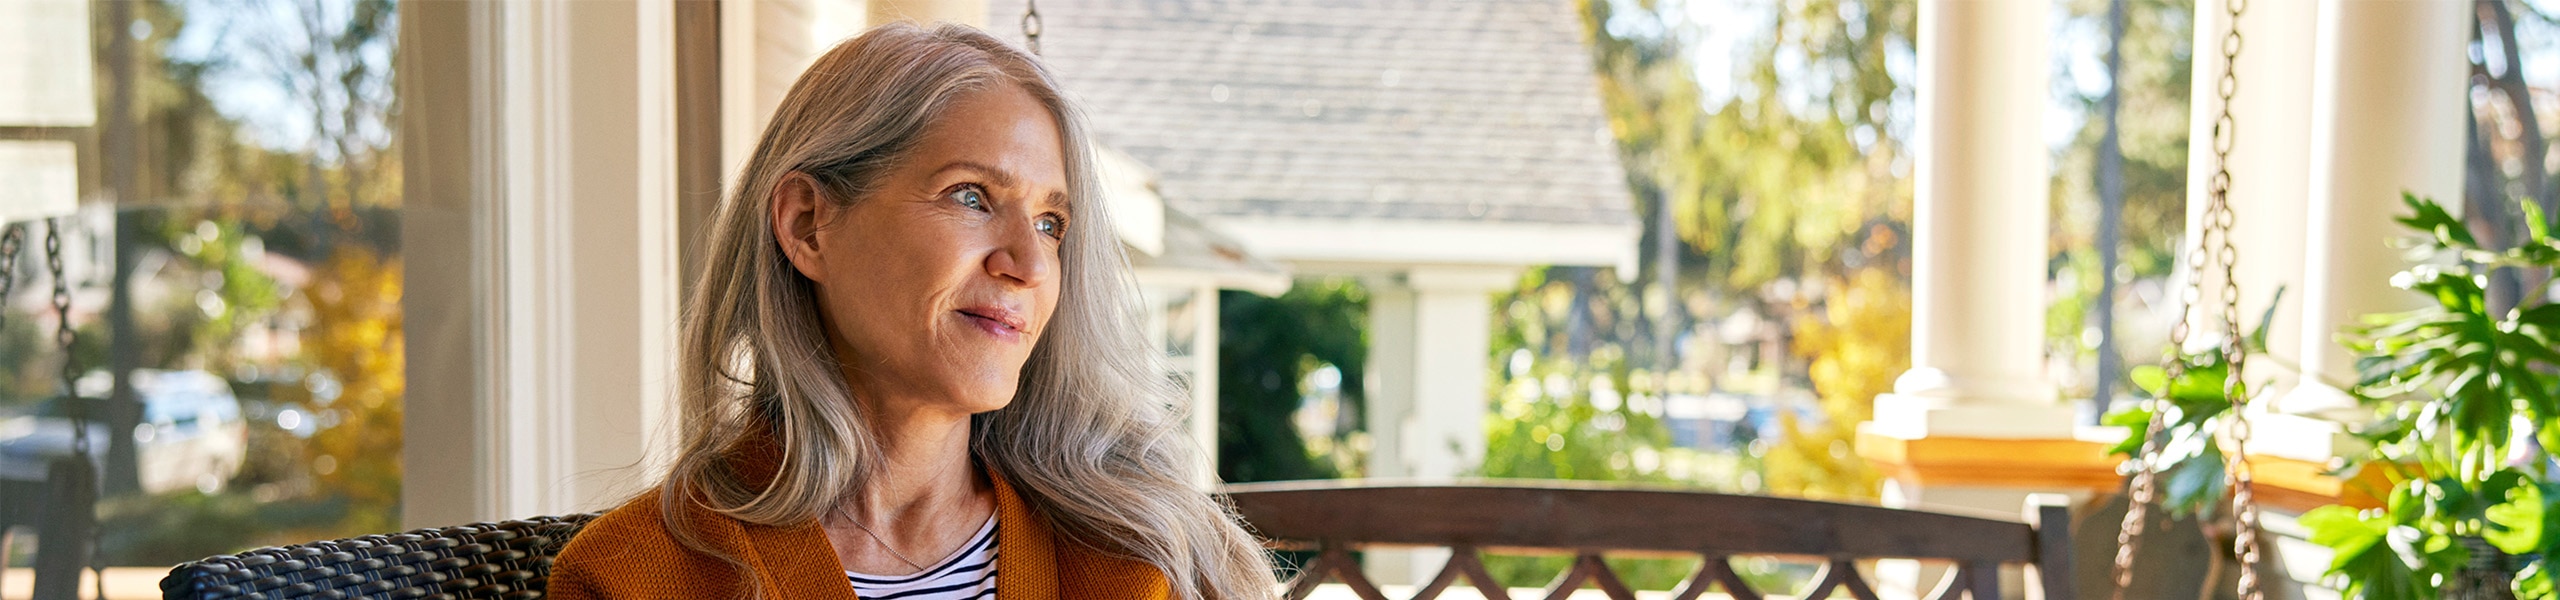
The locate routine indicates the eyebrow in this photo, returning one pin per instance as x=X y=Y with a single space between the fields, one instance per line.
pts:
x=1002 y=179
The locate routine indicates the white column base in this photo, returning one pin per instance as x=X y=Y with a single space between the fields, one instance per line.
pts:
x=2309 y=423
x=2319 y=400
x=1913 y=417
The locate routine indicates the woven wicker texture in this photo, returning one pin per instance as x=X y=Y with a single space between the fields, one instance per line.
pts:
x=509 y=560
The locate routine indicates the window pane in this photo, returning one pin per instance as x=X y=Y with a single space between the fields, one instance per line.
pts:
x=233 y=269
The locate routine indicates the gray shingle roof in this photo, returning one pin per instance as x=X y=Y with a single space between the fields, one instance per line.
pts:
x=1360 y=109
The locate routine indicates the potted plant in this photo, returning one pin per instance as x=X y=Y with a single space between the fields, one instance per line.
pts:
x=2466 y=413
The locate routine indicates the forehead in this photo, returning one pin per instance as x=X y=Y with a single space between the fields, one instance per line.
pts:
x=1002 y=129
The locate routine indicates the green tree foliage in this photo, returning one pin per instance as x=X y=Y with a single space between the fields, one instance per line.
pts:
x=2152 y=122
x=1266 y=349
x=1785 y=181
x=1567 y=419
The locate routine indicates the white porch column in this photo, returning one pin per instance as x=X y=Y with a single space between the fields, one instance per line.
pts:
x=1980 y=216
x=2387 y=118
x=1430 y=337
x=541 y=262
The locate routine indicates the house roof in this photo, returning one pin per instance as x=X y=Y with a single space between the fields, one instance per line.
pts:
x=1429 y=110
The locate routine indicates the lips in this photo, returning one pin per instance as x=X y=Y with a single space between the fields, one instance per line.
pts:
x=996 y=319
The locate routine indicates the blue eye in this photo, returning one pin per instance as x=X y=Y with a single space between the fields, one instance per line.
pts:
x=969 y=196
x=1052 y=225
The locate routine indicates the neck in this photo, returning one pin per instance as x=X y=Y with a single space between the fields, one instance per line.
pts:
x=925 y=499
x=924 y=467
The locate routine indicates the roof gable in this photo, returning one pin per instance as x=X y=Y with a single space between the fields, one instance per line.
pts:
x=1331 y=109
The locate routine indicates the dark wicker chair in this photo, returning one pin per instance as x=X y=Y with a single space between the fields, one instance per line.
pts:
x=507 y=560
x=511 y=560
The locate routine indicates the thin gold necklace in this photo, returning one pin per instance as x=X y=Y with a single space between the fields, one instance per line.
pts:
x=875 y=538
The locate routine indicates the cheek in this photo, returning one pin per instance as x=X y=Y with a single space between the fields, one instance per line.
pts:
x=861 y=294
x=1047 y=301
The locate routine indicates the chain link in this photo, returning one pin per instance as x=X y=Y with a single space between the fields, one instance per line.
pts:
x=2213 y=246
x=11 y=241
x=1031 y=26
x=65 y=337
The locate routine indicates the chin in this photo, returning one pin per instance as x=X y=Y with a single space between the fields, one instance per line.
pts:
x=987 y=399
x=988 y=407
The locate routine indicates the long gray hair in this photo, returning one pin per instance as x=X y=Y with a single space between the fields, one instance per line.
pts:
x=1093 y=440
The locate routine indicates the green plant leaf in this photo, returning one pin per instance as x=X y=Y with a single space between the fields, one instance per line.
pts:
x=2427 y=216
x=2361 y=554
x=2194 y=485
x=2533 y=223
x=2523 y=523
x=2258 y=337
x=2534 y=582
x=2136 y=420
x=2151 y=379
x=2344 y=531
x=2527 y=347
x=2545 y=317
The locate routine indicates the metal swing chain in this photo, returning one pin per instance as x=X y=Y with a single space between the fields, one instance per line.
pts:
x=1031 y=26
x=64 y=337
x=2214 y=243
x=10 y=242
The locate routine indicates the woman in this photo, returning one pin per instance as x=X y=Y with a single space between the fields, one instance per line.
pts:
x=910 y=368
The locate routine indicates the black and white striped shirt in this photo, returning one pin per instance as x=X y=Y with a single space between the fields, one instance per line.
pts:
x=969 y=574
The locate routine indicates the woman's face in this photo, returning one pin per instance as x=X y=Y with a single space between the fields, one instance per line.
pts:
x=935 y=288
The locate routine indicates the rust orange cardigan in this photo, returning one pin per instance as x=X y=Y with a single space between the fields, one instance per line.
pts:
x=628 y=554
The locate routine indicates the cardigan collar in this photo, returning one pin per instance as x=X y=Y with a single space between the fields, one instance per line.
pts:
x=1028 y=553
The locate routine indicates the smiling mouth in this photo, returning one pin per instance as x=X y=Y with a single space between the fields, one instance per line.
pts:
x=993 y=320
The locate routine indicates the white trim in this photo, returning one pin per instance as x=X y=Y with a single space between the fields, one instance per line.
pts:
x=740 y=119
x=571 y=294
x=1128 y=188
x=1267 y=284
x=1407 y=242
x=1204 y=382
x=45 y=58
x=38 y=179
x=660 y=262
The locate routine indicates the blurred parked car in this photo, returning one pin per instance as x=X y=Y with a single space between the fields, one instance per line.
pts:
x=192 y=435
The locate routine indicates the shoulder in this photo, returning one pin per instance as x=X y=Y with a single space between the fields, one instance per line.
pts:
x=1087 y=573
x=628 y=553
x=635 y=531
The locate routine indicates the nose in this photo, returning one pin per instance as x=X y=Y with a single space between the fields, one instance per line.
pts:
x=1023 y=259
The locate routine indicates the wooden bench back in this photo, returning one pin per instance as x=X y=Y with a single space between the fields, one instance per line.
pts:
x=1336 y=517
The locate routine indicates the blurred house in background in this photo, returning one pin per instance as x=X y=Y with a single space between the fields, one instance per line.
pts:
x=1433 y=151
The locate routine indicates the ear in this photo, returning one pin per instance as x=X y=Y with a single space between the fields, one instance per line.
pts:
x=798 y=211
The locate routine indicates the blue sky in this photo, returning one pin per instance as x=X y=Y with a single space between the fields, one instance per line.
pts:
x=242 y=37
